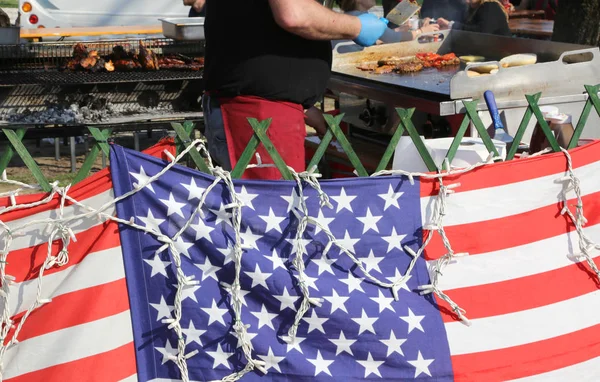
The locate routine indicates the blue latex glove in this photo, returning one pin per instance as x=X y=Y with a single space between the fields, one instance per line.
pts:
x=371 y=29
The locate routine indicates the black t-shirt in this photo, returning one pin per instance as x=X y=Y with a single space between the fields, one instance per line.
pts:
x=247 y=53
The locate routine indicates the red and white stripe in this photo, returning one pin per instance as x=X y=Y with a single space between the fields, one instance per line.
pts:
x=85 y=332
x=534 y=311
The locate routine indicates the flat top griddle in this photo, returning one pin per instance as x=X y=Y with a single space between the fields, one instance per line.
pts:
x=561 y=68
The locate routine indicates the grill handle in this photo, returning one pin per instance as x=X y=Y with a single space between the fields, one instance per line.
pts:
x=595 y=52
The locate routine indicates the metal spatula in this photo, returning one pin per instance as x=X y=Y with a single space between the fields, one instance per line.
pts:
x=404 y=11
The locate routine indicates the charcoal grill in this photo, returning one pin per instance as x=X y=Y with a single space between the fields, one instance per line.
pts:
x=33 y=81
x=560 y=74
x=41 y=63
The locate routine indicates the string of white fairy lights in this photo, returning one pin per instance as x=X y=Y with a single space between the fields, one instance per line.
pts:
x=60 y=230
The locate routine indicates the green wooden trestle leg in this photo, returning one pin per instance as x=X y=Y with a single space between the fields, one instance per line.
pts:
x=101 y=144
x=15 y=138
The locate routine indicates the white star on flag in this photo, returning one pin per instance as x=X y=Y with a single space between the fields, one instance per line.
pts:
x=286 y=300
x=276 y=260
x=295 y=344
x=371 y=366
x=271 y=361
x=293 y=241
x=321 y=365
x=315 y=322
x=342 y=344
x=391 y=198
x=365 y=323
x=369 y=221
x=353 y=283
x=311 y=282
x=246 y=198
x=343 y=201
x=258 y=277
x=202 y=230
x=348 y=243
x=421 y=365
x=151 y=222
x=394 y=344
x=222 y=216
x=264 y=318
x=183 y=246
x=249 y=336
x=158 y=266
x=249 y=238
x=215 y=314
x=293 y=200
x=188 y=291
x=337 y=302
x=383 y=302
x=208 y=269
x=394 y=240
x=192 y=334
x=167 y=352
x=273 y=221
x=227 y=254
x=399 y=275
x=414 y=322
x=220 y=357
x=371 y=262
x=324 y=264
x=173 y=206
x=322 y=221
x=194 y=192
x=163 y=310
x=142 y=178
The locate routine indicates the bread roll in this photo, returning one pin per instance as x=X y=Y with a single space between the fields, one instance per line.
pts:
x=518 y=60
x=471 y=73
x=472 y=58
x=486 y=68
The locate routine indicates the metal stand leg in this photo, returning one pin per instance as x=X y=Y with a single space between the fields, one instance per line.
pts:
x=73 y=161
x=86 y=144
x=57 y=148
x=136 y=141
x=103 y=160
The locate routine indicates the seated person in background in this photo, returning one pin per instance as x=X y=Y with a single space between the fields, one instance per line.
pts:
x=197 y=9
x=357 y=7
x=548 y=6
x=484 y=16
x=455 y=10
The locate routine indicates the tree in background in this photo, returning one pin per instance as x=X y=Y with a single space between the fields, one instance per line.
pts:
x=577 y=22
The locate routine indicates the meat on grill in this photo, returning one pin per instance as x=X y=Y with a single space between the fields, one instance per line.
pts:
x=125 y=60
x=148 y=58
x=127 y=65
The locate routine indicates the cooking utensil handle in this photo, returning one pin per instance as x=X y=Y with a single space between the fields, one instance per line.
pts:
x=490 y=100
x=594 y=51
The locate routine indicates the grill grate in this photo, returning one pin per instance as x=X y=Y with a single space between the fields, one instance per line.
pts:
x=43 y=63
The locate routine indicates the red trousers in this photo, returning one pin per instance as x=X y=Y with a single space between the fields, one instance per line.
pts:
x=287 y=131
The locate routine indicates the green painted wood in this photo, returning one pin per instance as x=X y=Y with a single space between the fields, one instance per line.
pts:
x=321 y=150
x=21 y=150
x=406 y=121
x=260 y=136
x=522 y=128
x=183 y=136
x=334 y=125
x=456 y=141
x=260 y=130
x=8 y=154
x=101 y=139
x=471 y=107
x=585 y=113
x=391 y=148
x=544 y=125
x=90 y=159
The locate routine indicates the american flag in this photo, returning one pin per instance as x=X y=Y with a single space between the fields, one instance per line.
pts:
x=532 y=306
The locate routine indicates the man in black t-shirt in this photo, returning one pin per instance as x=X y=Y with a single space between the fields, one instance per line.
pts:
x=275 y=63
